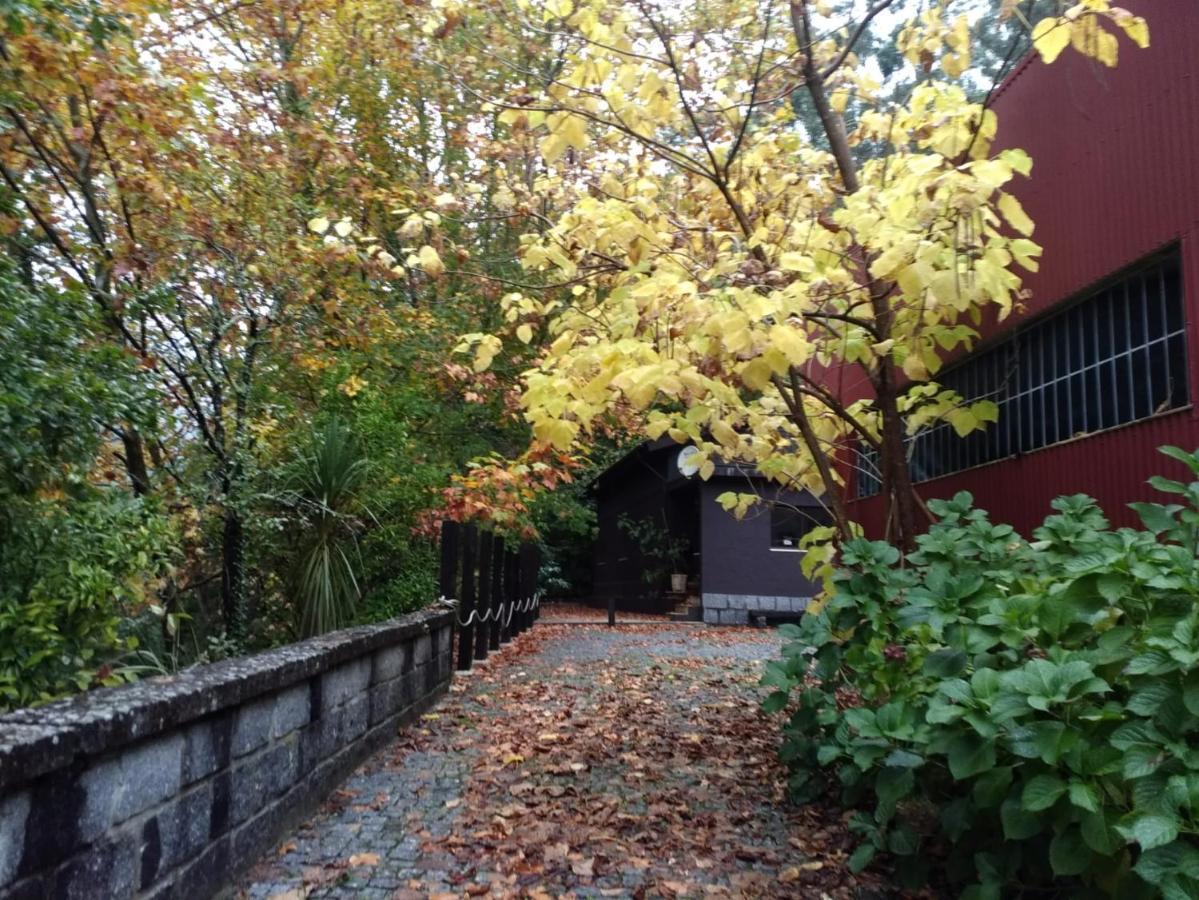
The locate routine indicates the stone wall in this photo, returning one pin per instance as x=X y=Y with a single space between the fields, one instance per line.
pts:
x=738 y=609
x=171 y=786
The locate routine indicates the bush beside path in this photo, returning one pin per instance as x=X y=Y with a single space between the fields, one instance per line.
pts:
x=582 y=762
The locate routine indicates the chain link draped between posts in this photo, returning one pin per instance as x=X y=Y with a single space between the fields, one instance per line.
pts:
x=528 y=605
x=496 y=586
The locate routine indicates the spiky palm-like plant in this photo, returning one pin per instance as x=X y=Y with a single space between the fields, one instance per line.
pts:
x=325 y=488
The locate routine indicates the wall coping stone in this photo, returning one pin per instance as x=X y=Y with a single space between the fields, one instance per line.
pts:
x=44 y=738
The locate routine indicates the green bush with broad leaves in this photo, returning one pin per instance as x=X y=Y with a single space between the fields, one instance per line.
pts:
x=73 y=573
x=1024 y=712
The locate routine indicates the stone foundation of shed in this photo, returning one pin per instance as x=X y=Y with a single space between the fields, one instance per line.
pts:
x=741 y=609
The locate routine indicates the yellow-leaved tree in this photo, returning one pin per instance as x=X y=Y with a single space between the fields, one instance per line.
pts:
x=752 y=241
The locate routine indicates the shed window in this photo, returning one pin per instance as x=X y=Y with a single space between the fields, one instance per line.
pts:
x=1117 y=356
x=790 y=523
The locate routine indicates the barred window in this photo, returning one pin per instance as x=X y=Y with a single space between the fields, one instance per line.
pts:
x=1116 y=356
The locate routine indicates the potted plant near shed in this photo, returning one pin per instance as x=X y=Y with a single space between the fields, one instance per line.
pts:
x=662 y=551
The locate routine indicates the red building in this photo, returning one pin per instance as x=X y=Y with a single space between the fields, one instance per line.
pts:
x=1100 y=369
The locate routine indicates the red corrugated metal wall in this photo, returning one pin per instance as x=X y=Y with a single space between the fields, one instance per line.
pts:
x=1115 y=177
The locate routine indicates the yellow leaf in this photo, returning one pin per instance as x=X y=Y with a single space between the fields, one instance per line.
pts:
x=1015 y=214
x=796 y=262
x=343 y=228
x=320 y=224
x=1050 y=36
x=524 y=333
x=557 y=432
x=1136 y=28
x=431 y=262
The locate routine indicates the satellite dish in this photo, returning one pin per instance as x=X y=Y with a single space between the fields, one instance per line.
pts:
x=687 y=461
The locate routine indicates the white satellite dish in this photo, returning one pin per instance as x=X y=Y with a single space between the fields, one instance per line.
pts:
x=687 y=462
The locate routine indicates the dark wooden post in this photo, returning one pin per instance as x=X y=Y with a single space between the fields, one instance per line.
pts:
x=535 y=579
x=483 y=633
x=528 y=582
x=611 y=610
x=466 y=633
x=497 y=590
x=509 y=595
x=448 y=575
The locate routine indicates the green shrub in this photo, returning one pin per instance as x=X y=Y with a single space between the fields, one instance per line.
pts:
x=70 y=574
x=1027 y=712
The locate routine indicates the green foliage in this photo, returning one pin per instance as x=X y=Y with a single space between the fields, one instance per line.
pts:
x=662 y=551
x=69 y=572
x=75 y=558
x=58 y=389
x=325 y=491
x=1034 y=705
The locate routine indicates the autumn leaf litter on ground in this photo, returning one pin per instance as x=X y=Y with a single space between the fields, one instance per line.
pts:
x=582 y=762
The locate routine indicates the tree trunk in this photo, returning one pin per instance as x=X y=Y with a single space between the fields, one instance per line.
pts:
x=899 y=494
x=135 y=461
x=233 y=574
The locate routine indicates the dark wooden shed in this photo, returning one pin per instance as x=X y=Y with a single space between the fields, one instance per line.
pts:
x=736 y=569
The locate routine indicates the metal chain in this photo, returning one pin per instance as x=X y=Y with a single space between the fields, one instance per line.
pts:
x=505 y=611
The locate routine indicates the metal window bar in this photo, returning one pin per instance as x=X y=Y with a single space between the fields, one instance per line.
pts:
x=1066 y=376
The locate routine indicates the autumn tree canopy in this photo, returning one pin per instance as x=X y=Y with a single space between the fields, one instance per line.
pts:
x=742 y=234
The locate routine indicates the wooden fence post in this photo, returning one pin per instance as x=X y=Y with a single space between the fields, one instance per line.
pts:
x=497 y=590
x=509 y=595
x=466 y=633
x=528 y=582
x=486 y=602
x=536 y=579
x=448 y=573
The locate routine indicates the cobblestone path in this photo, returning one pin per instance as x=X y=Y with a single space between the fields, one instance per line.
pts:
x=580 y=762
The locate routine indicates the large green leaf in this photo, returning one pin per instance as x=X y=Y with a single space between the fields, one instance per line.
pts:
x=1151 y=831
x=1041 y=792
x=1069 y=853
x=968 y=755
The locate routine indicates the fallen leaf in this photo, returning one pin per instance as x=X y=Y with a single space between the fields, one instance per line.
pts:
x=364 y=859
x=584 y=868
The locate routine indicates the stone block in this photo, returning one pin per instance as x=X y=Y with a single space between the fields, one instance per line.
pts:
x=422 y=650
x=56 y=818
x=184 y=826
x=711 y=616
x=392 y=662
x=344 y=682
x=222 y=790
x=204 y=875
x=206 y=747
x=33 y=888
x=716 y=601
x=291 y=710
x=410 y=689
x=14 y=811
x=151 y=773
x=261 y=778
x=108 y=868
x=252 y=726
x=443 y=640
x=119 y=788
x=101 y=783
x=739 y=601
x=355 y=716
x=386 y=699
x=432 y=677
x=734 y=617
